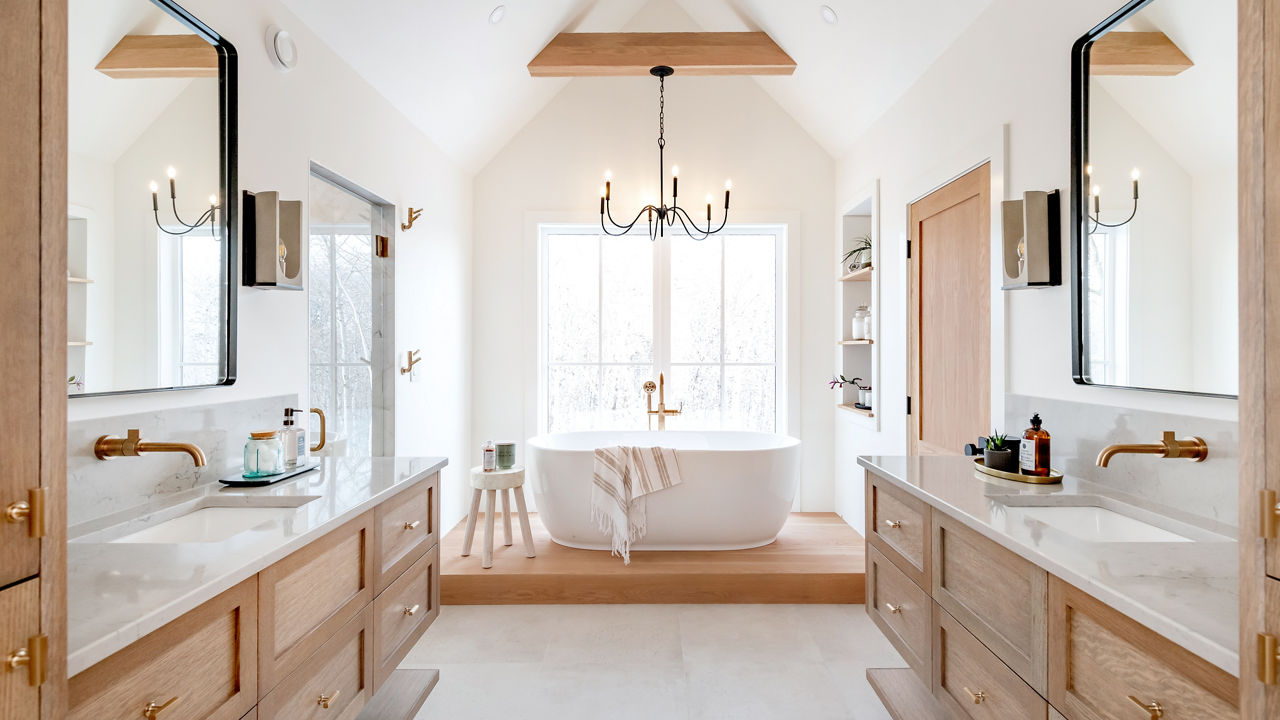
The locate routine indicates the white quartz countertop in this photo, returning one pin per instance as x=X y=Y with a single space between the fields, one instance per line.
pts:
x=1185 y=591
x=119 y=592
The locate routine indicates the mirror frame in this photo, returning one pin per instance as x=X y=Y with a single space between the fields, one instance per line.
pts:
x=227 y=160
x=1080 y=196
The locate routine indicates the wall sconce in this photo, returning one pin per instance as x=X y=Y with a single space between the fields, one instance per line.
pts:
x=1032 y=240
x=272 y=241
x=1096 y=192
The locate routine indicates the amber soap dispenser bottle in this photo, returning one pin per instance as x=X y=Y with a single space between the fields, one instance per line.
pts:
x=1033 y=453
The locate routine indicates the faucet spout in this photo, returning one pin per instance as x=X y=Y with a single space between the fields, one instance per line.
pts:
x=133 y=445
x=1194 y=449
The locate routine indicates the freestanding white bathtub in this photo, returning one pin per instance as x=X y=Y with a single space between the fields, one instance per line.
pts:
x=736 y=492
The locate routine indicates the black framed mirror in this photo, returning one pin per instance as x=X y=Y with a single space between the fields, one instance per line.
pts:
x=1154 y=209
x=152 y=200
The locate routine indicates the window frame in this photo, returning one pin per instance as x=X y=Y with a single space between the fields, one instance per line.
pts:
x=662 y=312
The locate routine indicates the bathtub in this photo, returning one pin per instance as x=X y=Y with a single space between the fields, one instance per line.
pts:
x=737 y=489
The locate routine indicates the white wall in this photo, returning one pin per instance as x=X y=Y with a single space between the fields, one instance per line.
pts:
x=323 y=112
x=715 y=128
x=1012 y=66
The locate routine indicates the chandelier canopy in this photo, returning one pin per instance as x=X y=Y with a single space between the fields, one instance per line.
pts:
x=665 y=216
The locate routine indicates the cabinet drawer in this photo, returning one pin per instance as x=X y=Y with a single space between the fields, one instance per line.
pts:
x=19 y=630
x=972 y=682
x=407 y=526
x=402 y=613
x=339 y=674
x=898 y=525
x=997 y=595
x=308 y=595
x=205 y=661
x=1098 y=658
x=901 y=610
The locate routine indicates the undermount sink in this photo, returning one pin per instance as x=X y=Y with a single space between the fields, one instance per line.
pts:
x=207 y=520
x=1100 y=520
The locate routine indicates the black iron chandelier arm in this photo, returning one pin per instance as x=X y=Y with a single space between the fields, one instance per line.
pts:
x=686 y=221
x=1097 y=221
x=624 y=229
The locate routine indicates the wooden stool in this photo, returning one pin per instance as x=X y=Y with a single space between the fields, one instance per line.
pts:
x=492 y=482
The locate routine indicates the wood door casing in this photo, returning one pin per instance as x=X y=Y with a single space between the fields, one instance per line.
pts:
x=950 y=315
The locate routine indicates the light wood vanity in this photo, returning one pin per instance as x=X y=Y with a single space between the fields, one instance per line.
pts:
x=315 y=634
x=990 y=635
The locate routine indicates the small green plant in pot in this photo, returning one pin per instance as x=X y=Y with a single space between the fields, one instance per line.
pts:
x=860 y=256
x=999 y=453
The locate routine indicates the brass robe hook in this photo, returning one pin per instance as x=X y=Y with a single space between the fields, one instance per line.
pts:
x=413 y=217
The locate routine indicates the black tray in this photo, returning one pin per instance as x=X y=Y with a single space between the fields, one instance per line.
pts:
x=239 y=480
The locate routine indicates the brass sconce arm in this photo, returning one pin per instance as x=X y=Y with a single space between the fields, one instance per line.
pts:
x=133 y=446
x=1194 y=449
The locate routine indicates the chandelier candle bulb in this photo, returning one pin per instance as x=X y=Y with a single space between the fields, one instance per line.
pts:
x=173 y=191
x=708 y=209
x=675 y=181
x=1135 y=183
x=155 y=199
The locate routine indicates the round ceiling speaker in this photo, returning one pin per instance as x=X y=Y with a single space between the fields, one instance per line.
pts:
x=281 y=49
x=829 y=15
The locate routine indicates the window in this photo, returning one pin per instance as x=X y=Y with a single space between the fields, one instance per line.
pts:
x=190 y=280
x=617 y=311
x=1107 y=293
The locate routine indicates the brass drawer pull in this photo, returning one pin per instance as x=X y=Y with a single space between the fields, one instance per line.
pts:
x=33 y=657
x=895 y=524
x=30 y=511
x=412 y=525
x=152 y=710
x=411 y=611
x=893 y=609
x=978 y=697
x=1154 y=709
x=326 y=700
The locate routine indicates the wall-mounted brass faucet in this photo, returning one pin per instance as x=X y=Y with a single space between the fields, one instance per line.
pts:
x=662 y=412
x=1193 y=449
x=133 y=446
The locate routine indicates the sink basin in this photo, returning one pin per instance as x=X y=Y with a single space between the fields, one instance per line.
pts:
x=1096 y=524
x=211 y=519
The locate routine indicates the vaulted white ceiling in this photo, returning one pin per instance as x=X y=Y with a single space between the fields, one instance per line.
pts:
x=463 y=80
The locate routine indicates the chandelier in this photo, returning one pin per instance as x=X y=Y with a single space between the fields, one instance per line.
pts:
x=207 y=217
x=663 y=215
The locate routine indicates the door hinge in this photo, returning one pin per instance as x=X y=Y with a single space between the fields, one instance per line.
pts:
x=908 y=249
x=382 y=246
x=34 y=657
x=1268 y=515
x=1268 y=659
x=908 y=404
x=32 y=511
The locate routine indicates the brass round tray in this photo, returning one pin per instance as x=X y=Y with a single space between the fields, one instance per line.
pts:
x=981 y=466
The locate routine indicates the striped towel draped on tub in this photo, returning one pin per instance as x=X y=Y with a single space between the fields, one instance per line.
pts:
x=623 y=476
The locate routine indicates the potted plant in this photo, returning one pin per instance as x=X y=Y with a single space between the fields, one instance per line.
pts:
x=860 y=256
x=998 y=455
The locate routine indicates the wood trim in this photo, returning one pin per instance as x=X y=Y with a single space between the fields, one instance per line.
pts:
x=690 y=53
x=160 y=56
x=275 y=663
x=1137 y=54
x=53 y=351
x=903 y=696
x=1065 y=599
x=108 y=675
x=976 y=182
x=401 y=696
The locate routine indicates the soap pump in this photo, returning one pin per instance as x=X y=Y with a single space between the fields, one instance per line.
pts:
x=294 y=439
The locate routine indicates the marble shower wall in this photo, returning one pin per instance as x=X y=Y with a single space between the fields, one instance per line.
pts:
x=1079 y=431
x=96 y=488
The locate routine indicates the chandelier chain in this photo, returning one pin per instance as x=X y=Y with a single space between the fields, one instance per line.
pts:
x=662 y=112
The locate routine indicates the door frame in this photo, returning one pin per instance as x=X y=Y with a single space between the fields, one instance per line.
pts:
x=967 y=155
x=384 y=356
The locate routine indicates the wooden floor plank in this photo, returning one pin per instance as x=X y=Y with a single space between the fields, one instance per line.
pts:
x=817 y=558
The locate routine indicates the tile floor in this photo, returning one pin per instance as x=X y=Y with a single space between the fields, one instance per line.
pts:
x=653 y=662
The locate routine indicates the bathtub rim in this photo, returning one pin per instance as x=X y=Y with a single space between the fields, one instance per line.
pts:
x=786 y=442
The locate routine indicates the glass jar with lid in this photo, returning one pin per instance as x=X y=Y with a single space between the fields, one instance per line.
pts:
x=263 y=454
x=858 y=328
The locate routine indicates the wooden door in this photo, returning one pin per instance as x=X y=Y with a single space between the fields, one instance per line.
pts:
x=950 y=315
x=33 y=243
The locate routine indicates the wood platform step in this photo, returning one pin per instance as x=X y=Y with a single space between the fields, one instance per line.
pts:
x=817 y=558
x=903 y=695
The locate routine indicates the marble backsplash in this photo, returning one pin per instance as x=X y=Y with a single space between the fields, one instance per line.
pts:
x=101 y=487
x=1079 y=431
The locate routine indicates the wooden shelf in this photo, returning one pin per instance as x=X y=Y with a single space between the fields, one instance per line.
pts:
x=79 y=343
x=857 y=410
x=903 y=695
x=80 y=280
x=856 y=342
x=863 y=275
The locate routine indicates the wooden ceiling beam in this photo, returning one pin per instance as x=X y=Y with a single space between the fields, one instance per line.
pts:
x=690 y=53
x=160 y=56
x=1137 y=54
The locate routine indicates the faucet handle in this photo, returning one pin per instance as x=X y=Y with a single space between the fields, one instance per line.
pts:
x=650 y=387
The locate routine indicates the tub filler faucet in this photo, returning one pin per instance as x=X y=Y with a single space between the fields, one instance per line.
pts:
x=662 y=412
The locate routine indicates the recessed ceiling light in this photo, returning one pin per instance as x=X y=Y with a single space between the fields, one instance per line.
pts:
x=829 y=15
x=497 y=14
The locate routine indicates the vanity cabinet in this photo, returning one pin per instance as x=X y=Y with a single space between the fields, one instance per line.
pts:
x=1008 y=641
x=405 y=527
x=19 y=628
x=308 y=637
x=202 y=665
